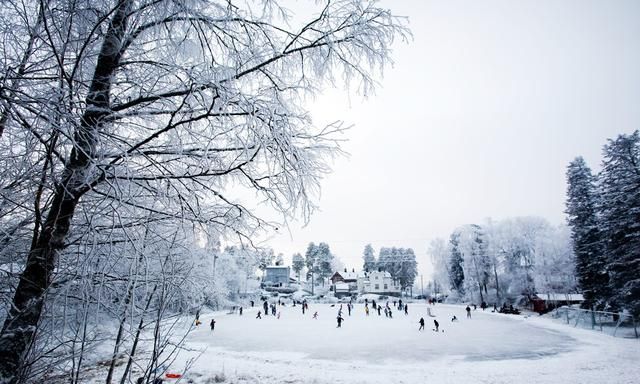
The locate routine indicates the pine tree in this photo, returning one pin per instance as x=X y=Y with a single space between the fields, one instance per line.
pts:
x=456 y=271
x=369 y=259
x=297 y=262
x=620 y=210
x=590 y=258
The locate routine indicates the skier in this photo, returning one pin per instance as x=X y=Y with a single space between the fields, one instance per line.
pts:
x=421 y=324
x=406 y=309
x=212 y=324
x=435 y=322
x=240 y=311
x=468 y=312
x=259 y=316
x=340 y=319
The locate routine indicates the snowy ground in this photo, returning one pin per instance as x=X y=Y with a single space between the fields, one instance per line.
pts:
x=488 y=348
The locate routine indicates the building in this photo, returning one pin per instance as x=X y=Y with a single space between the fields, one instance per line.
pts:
x=377 y=282
x=276 y=276
x=344 y=283
x=544 y=302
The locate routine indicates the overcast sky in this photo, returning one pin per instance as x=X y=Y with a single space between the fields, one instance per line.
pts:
x=478 y=118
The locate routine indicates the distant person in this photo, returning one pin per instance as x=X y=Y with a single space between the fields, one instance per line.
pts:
x=454 y=318
x=495 y=308
x=340 y=320
x=212 y=324
x=315 y=315
x=251 y=303
x=421 y=324
x=475 y=307
x=394 y=303
x=468 y=312
x=386 y=312
x=399 y=303
x=259 y=316
x=279 y=315
x=436 y=324
x=349 y=308
x=366 y=310
x=240 y=311
x=406 y=309
x=303 y=309
x=379 y=309
x=390 y=314
x=265 y=306
x=483 y=305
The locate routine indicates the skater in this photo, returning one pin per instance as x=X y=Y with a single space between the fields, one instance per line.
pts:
x=400 y=304
x=394 y=303
x=386 y=312
x=468 y=312
x=273 y=309
x=349 y=309
x=259 y=316
x=379 y=309
x=251 y=303
x=435 y=322
x=373 y=304
x=303 y=308
x=475 y=307
x=265 y=306
x=212 y=324
x=483 y=305
x=240 y=311
x=366 y=310
x=315 y=315
x=454 y=318
x=197 y=315
x=279 y=315
x=406 y=309
x=421 y=324
x=390 y=314
x=340 y=319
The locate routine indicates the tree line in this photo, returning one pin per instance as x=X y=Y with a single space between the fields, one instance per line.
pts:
x=603 y=212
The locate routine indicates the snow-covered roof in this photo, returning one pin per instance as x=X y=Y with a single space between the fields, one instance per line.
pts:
x=551 y=296
x=277 y=267
x=346 y=275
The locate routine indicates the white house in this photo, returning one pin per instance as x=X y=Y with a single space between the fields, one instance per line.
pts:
x=379 y=282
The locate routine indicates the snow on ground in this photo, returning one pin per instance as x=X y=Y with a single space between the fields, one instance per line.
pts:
x=488 y=348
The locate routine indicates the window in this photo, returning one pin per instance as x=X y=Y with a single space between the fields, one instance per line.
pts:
x=376 y=277
x=385 y=286
x=377 y=286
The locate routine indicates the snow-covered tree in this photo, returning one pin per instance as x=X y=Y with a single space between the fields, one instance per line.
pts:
x=120 y=110
x=439 y=255
x=588 y=246
x=620 y=211
x=297 y=263
x=456 y=264
x=369 y=258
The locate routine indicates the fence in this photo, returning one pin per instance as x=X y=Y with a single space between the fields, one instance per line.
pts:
x=612 y=323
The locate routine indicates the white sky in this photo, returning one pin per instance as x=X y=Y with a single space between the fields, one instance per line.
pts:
x=478 y=118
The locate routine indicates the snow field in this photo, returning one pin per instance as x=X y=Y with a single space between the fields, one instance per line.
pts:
x=488 y=348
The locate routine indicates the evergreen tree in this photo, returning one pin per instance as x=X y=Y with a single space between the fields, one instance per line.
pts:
x=590 y=258
x=297 y=262
x=620 y=210
x=369 y=259
x=456 y=271
x=311 y=261
x=408 y=268
x=325 y=260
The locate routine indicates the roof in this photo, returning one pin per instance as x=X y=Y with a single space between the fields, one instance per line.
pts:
x=346 y=275
x=552 y=296
x=277 y=267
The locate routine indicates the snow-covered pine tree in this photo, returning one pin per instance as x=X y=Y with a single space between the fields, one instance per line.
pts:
x=620 y=210
x=297 y=262
x=582 y=216
x=456 y=272
x=369 y=259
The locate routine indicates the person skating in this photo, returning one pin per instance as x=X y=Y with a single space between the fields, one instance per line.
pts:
x=212 y=324
x=349 y=309
x=340 y=319
x=259 y=316
x=366 y=310
x=265 y=306
x=251 y=303
x=379 y=309
x=315 y=315
x=406 y=309
x=421 y=324
x=240 y=311
x=390 y=314
x=386 y=312
x=437 y=325
x=468 y=312
x=454 y=318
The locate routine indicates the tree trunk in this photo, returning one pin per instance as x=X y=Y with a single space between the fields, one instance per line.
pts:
x=19 y=328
